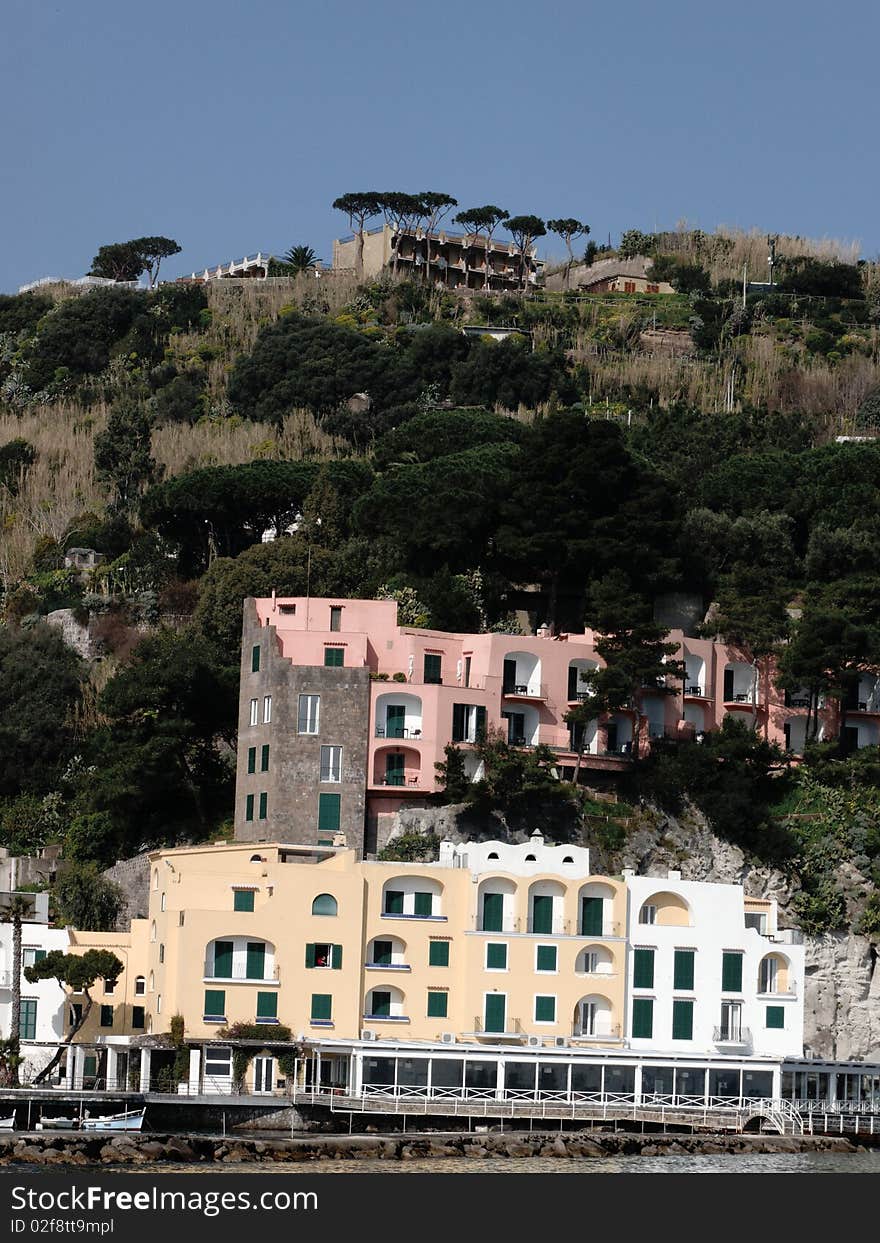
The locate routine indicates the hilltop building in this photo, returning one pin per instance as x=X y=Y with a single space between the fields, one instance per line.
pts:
x=344 y=713
x=452 y=260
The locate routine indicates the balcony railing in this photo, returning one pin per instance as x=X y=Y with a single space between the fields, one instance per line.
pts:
x=739 y=1036
x=790 y=990
x=599 y=1031
x=512 y=1027
x=397 y=731
x=694 y=689
x=399 y=779
x=580 y=697
x=524 y=690
x=508 y=924
x=387 y=966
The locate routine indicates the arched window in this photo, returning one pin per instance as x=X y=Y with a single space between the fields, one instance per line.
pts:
x=568 y=859
x=531 y=859
x=140 y=986
x=256 y=858
x=492 y=854
x=325 y=904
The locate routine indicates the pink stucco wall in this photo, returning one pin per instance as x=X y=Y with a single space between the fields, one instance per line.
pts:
x=471 y=673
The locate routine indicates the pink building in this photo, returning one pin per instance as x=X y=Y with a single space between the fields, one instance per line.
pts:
x=399 y=695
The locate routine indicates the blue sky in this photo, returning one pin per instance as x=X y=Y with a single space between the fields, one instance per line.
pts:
x=231 y=127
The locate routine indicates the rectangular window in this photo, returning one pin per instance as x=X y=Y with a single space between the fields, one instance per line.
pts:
x=393 y=902
x=249 y=807
x=329 y=812
x=334 y=657
x=110 y=985
x=643 y=969
x=30 y=955
x=106 y=1016
x=493 y=912
x=682 y=1020
x=776 y=1016
x=592 y=914
x=683 y=971
x=267 y=709
x=496 y=957
x=432 y=671
x=255 y=658
x=255 y=712
x=380 y=1004
x=137 y=1016
x=267 y=1006
x=331 y=764
x=264 y=758
x=256 y=960
x=215 y=1005
x=335 y=617
x=643 y=1018
x=382 y=951
x=252 y=759
x=438 y=954
x=546 y=958
x=545 y=1009
x=438 y=1005
x=243 y=900
x=468 y=722
x=223 y=959
x=423 y=904
x=264 y=806
x=309 y=714
x=542 y=913
x=27 y=1024
x=320 y=954
x=731 y=972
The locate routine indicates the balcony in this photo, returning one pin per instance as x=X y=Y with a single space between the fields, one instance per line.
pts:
x=523 y=690
x=732 y=1037
x=695 y=691
x=398 y=731
x=387 y=966
x=580 y=697
x=512 y=1030
x=600 y=1032
x=510 y=923
x=767 y=994
x=558 y=928
x=387 y=1018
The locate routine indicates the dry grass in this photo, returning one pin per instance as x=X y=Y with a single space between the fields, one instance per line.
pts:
x=725 y=252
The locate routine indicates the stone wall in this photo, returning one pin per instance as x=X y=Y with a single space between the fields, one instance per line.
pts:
x=133 y=878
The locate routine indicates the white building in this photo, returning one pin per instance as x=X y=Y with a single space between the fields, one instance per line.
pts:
x=42 y=1004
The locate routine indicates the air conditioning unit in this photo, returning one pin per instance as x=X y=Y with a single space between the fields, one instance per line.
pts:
x=560 y=1041
x=534 y=1042
x=447 y=1037
x=367 y=1033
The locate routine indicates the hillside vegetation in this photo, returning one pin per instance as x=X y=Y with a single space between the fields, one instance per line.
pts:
x=392 y=455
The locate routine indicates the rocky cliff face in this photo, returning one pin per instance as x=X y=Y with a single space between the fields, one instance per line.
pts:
x=842 y=986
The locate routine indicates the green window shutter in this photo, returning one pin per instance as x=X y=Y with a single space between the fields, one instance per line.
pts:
x=542 y=913
x=495 y=1017
x=592 y=912
x=682 y=1020
x=380 y=1004
x=243 y=900
x=496 y=957
x=328 y=812
x=776 y=1016
x=322 y=1007
x=255 y=658
x=423 y=904
x=264 y=806
x=731 y=973
x=493 y=912
x=438 y=1005
x=459 y=715
x=438 y=954
x=336 y=957
x=310 y=955
x=334 y=657
x=545 y=1009
x=27 y=1023
x=546 y=958
x=643 y=969
x=215 y=1003
x=393 y=902
x=264 y=758
x=249 y=807
x=39 y=955
x=90 y=1066
x=683 y=976
x=137 y=1016
x=256 y=960
x=223 y=959
x=252 y=759
x=432 y=668
x=267 y=1006
x=643 y=1018
x=480 y=723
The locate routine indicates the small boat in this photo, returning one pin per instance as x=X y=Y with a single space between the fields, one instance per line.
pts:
x=130 y=1120
x=57 y=1124
x=7 y=1124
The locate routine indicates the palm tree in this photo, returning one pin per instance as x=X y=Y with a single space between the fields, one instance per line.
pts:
x=301 y=259
x=16 y=908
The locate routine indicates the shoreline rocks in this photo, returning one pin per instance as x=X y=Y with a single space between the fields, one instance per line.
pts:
x=139 y=1149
